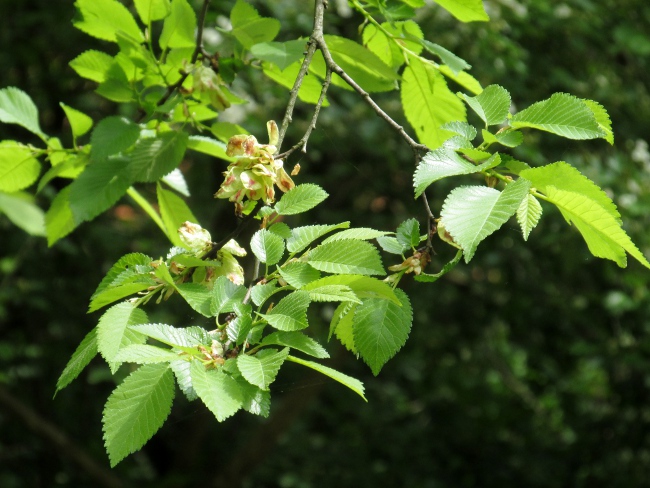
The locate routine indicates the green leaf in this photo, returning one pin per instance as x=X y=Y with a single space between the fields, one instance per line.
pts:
x=430 y=278
x=174 y=212
x=81 y=357
x=92 y=65
x=602 y=117
x=408 y=233
x=370 y=72
x=145 y=354
x=255 y=400
x=528 y=215
x=465 y=10
x=282 y=54
x=20 y=209
x=463 y=78
x=298 y=274
x=224 y=295
x=261 y=292
x=347 y=257
x=117 y=87
x=100 y=185
x=563 y=115
x=471 y=213
x=136 y=409
x=300 y=199
x=179 y=26
x=428 y=103
x=362 y=286
x=599 y=228
x=249 y=28
x=238 y=328
x=391 y=245
x=198 y=296
x=333 y=293
x=207 y=145
x=117 y=293
x=113 y=135
x=176 y=181
x=463 y=129
x=510 y=138
x=381 y=328
x=218 y=390
x=181 y=370
x=342 y=325
x=128 y=262
x=80 y=123
x=309 y=90
x=154 y=157
x=16 y=107
x=267 y=247
x=455 y=63
x=563 y=176
x=439 y=164
x=281 y=229
x=104 y=18
x=387 y=48
x=361 y=233
x=180 y=338
x=492 y=105
x=290 y=313
x=261 y=372
x=301 y=237
x=150 y=10
x=298 y=341
x=352 y=383
x=59 y=221
x=112 y=329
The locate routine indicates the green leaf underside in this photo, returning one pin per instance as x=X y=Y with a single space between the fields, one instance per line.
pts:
x=20 y=209
x=18 y=168
x=510 y=138
x=602 y=117
x=528 y=215
x=112 y=329
x=112 y=135
x=300 y=199
x=207 y=145
x=238 y=328
x=430 y=278
x=362 y=286
x=361 y=233
x=333 y=293
x=267 y=246
x=180 y=338
x=471 y=213
x=261 y=372
x=455 y=63
x=301 y=237
x=176 y=181
x=282 y=54
x=198 y=296
x=104 y=18
x=225 y=294
x=181 y=370
x=16 y=107
x=290 y=313
x=391 y=245
x=298 y=274
x=441 y=163
x=174 y=212
x=218 y=390
x=152 y=158
x=136 y=409
x=428 y=103
x=562 y=114
x=492 y=105
x=59 y=221
x=463 y=78
x=298 y=341
x=347 y=257
x=563 y=176
x=261 y=292
x=255 y=400
x=126 y=262
x=249 y=28
x=118 y=292
x=465 y=10
x=381 y=328
x=145 y=354
x=601 y=231
x=352 y=383
x=463 y=129
x=81 y=357
x=342 y=326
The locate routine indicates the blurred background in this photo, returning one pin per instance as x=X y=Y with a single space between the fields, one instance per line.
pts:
x=528 y=367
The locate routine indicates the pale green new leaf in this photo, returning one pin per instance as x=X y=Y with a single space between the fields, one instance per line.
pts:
x=249 y=28
x=362 y=286
x=352 y=383
x=601 y=230
x=174 y=212
x=563 y=115
x=298 y=274
x=282 y=54
x=441 y=163
x=154 y=157
x=81 y=357
x=463 y=78
x=80 y=123
x=492 y=105
x=261 y=372
x=602 y=117
x=21 y=210
x=136 y=409
x=113 y=329
x=381 y=328
x=145 y=354
x=428 y=103
x=296 y=340
x=391 y=245
x=528 y=215
x=471 y=213
x=300 y=199
x=92 y=65
x=112 y=135
x=301 y=237
x=218 y=390
x=103 y=18
x=386 y=48
x=16 y=107
x=455 y=63
x=150 y=10
x=333 y=293
x=347 y=257
x=179 y=26
x=267 y=247
x=290 y=313
x=465 y=10
x=361 y=233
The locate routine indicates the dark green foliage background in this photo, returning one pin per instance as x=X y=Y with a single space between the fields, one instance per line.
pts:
x=528 y=367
